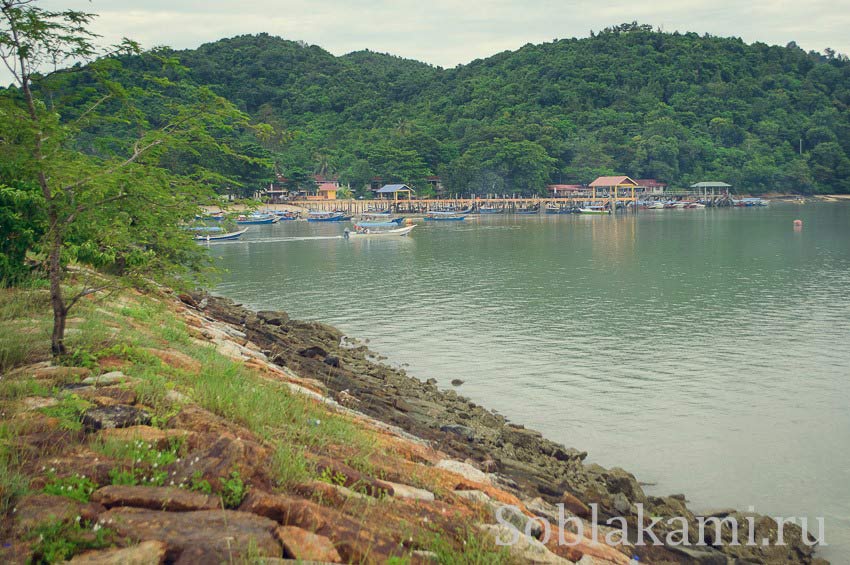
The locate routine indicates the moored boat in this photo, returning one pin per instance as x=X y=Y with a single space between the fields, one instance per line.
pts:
x=255 y=219
x=443 y=217
x=594 y=210
x=390 y=224
x=322 y=216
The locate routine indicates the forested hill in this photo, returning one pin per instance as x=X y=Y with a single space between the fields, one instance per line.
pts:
x=676 y=107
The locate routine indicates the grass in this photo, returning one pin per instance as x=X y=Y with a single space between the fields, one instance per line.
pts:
x=19 y=330
x=75 y=487
x=69 y=411
x=56 y=541
x=474 y=550
x=290 y=466
x=13 y=483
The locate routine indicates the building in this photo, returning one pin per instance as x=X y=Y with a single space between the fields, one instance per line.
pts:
x=711 y=188
x=613 y=186
x=393 y=190
x=327 y=191
x=436 y=184
x=564 y=190
x=650 y=186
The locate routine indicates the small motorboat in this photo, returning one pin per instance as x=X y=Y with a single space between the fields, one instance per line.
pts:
x=655 y=206
x=210 y=237
x=390 y=224
x=594 y=210
x=322 y=216
x=443 y=217
x=255 y=219
x=368 y=232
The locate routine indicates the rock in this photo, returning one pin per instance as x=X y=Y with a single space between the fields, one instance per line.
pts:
x=406 y=491
x=155 y=498
x=489 y=466
x=118 y=416
x=621 y=504
x=520 y=521
x=273 y=318
x=63 y=374
x=521 y=437
x=187 y=299
x=575 y=505
x=327 y=493
x=700 y=556
x=110 y=395
x=332 y=361
x=306 y=546
x=354 y=541
x=463 y=431
x=619 y=480
x=111 y=378
x=145 y=553
x=473 y=495
x=38 y=402
x=352 y=478
x=314 y=352
x=525 y=549
x=465 y=470
x=204 y=536
x=457 y=382
x=196 y=419
x=219 y=460
x=176 y=359
x=36 y=509
x=161 y=439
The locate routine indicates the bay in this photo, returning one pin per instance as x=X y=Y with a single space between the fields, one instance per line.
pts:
x=706 y=351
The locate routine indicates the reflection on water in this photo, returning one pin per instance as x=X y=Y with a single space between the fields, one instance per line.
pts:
x=703 y=350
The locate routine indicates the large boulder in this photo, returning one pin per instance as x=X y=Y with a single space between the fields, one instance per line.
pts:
x=117 y=416
x=155 y=498
x=223 y=457
x=205 y=536
x=145 y=553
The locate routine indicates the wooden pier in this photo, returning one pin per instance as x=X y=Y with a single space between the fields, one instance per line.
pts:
x=423 y=206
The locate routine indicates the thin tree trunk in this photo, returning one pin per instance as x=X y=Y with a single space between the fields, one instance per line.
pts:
x=60 y=312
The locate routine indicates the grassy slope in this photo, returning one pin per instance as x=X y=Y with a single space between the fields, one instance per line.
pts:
x=118 y=332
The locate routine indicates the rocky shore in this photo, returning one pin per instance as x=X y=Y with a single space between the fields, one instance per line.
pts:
x=523 y=462
x=193 y=430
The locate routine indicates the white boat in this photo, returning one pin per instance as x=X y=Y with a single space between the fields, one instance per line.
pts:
x=349 y=234
x=594 y=210
x=208 y=237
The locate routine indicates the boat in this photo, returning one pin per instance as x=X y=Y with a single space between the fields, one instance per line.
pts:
x=284 y=215
x=594 y=210
x=391 y=224
x=694 y=205
x=376 y=214
x=560 y=210
x=655 y=206
x=443 y=217
x=322 y=216
x=490 y=210
x=255 y=219
x=527 y=211
x=359 y=233
x=220 y=237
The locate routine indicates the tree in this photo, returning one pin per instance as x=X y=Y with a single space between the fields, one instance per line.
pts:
x=118 y=208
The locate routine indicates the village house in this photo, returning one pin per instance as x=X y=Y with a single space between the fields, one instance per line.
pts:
x=564 y=190
x=650 y=186
x=613 y=186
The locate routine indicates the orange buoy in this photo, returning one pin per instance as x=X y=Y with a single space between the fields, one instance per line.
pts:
x=798 y=223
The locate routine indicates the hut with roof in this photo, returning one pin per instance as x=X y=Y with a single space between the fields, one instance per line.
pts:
x=711 y=188
x=393 y=190
x=613 y=186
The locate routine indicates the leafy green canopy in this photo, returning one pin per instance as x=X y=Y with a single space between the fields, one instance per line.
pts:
x=677 y=107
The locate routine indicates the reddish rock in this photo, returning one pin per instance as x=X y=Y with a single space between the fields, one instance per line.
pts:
x=176 y=359
x=155 y=498
x=38 y=508
x=110 y=395
x=354 y=541
x=353 y=479
x=161 y=439
x=196 y=419
x=204 y=536
x=306 y=546
x=225 y=456
x=61 y=374
x=145 y=553
x=575 y=505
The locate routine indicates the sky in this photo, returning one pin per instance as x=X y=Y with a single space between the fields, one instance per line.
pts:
x=452 y=32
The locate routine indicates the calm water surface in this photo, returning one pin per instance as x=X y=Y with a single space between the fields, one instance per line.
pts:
x=706 y=351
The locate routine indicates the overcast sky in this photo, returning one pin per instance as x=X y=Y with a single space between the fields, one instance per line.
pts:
x=451 y=32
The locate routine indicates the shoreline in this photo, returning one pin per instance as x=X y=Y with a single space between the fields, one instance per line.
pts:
x=538 y=471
